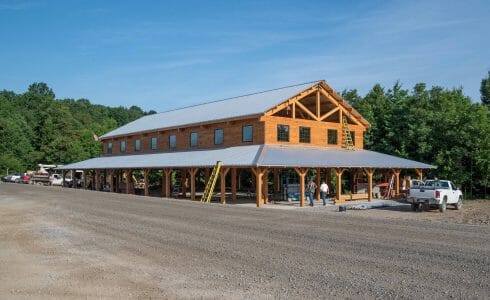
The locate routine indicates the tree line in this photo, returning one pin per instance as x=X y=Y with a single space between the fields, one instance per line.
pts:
x=438 y=126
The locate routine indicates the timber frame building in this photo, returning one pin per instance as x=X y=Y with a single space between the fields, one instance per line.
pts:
x=301 y=128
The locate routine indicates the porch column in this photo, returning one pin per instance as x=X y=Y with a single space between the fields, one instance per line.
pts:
x=338 y=173
x=258 y=184
x=302 y=174
x=64 y=177
x=73 y=179
x=111 y=180
x=370 y=172
x=397 y=181
x=116 y=179
x=277 y=187
x=239 y=180
x=168 y=178
x=97 y=180
x=318 y=178
x=146 y=172
x=85 y=184
x=129 y=174
x=183 y=182
x=222 y=174
x=193 y=172
x=265 y=186
x=420 y=173
x=233 y=184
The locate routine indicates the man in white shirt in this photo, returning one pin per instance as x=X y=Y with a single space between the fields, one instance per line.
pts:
x=324 y=192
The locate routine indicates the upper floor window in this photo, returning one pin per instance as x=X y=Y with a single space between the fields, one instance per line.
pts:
x=109 y=148
x=137 y=145
x=353 y=136
x=247 y=133
x=153 y=143
x=304 y=135
x=332 y=137
x=218 y=136
x=172 y=141
x=122 y=146
x=283 y=133
x=194 y=139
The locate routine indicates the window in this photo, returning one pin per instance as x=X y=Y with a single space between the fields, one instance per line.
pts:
x=304 y=134
x=122 y=146
x=109 y=148
x=172 y=141
x=137 y=145
x=283 y=133
x=332 y=136
x=218 y=136
x=194 y=141
x=353 y=136
x=153 y=143
x=247 y=133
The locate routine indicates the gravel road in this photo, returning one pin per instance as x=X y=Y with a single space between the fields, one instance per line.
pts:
x=72 y=243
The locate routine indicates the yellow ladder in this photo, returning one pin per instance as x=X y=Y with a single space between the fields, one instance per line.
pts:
x=347 y=138
x=208 y=191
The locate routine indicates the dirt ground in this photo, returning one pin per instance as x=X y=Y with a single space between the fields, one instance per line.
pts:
x=65 y=243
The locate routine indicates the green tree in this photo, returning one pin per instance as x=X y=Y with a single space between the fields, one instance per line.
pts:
x=485 y=90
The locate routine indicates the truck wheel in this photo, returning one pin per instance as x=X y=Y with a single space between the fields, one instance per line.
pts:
x=414 y=207
x=459 y=204
x=420 y=207
x=443 y=205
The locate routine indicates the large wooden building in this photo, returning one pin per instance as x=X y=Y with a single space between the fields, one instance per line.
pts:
x=303 y=127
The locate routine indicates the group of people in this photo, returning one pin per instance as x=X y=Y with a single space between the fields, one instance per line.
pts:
x=311 y=189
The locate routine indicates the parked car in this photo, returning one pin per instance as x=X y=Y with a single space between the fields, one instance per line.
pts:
x=438 y=193
x=56 y=179
x=15 y=177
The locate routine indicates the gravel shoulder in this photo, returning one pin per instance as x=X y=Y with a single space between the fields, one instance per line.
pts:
x=66 y=243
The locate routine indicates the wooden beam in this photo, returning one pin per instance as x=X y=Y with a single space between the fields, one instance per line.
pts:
x=397 y=180
x=345 y=110
x=97 y=180
x=222 y=174
x=146 y=173
x=420 y=173
x=73 y=179
x=369 y=172
x=318 y=179
x=294 y=110
x=233 y=184
x=302 y=174
x=129 y=175
x=265 y=186
x=338 y=173
x=306 y=110
x=64 y=177
x=318 y=103
x=291 y=100
x=277 y=187
x=328 y=114
x=193 y=172
x=168 y=178
x=258 y=185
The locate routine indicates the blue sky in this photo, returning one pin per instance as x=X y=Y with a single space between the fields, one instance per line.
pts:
x=166 y=54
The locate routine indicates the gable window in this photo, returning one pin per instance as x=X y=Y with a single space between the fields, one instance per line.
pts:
x=304 y=135
x=172 y=141
x=122 y=146
x=137 y=145
x=194 y=139
x=109 y=148
x=247 y=133
x=283 y=133
x=218 y=136
x=153 y=143
x=353 y=136
x=332 y=136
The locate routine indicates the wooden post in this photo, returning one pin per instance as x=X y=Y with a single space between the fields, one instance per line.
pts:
x=318 y=103
x=328 y=179
x=302 y=174
x=64 y=177
x=193 y=172
x=265 y=186
x=258 y=185
x=239 y=185
x=420 y=173
x=146 y=172
x=184 y=182
x=168 y=178
x=73 y=179
x=222 y=174
x=338 y=172
x=318 y=179
x=397 y=181
x=370 y=173
x=111 y=180
x=233 y=184
x=117 y=176
x=97 y=180
x=129 y=174
x=85 y=184
x=277 y=186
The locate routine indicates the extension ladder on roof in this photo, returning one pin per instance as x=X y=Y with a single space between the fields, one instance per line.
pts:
x=347 y=138
x=208 y=191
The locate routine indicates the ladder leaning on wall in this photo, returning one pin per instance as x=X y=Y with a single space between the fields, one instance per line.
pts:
x=208 y=191
x=346 y=137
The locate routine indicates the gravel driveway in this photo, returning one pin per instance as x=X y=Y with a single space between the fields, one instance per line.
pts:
x=72 y=243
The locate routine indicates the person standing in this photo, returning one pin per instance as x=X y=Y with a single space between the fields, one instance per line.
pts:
x=324 y=192
x=310 y=189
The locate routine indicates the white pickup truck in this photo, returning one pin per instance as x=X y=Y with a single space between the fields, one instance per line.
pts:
x=435 y=192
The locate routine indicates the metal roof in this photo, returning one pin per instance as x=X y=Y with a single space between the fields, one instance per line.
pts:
x=248 y=105
x=253 y=155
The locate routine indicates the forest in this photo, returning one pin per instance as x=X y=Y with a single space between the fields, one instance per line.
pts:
x=434 y=125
